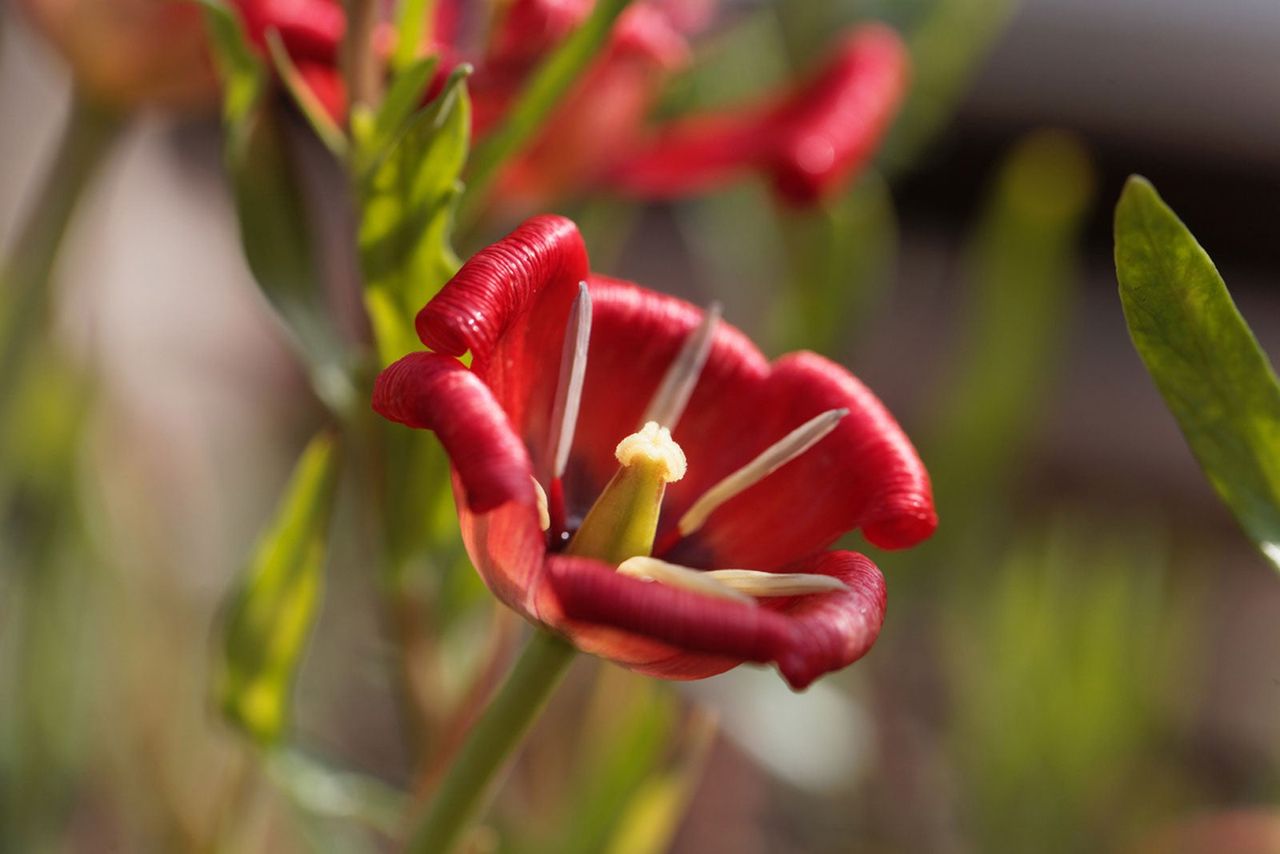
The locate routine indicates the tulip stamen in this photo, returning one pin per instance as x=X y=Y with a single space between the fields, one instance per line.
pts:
x=573 y=373
x=673 y=394
x=624 y=519
x=766 y=463
x=544 y=508
x=753 y=582
x=674 y=575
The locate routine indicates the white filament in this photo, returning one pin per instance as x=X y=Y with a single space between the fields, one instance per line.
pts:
x=755 y=583
x=673 y=394
x=770 y=460
x=674 y=575
x=573 y=372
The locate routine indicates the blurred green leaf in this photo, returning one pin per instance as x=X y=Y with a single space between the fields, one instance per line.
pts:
x=413 y=19
x=841 y=258
x=648 y=823
x=403 y=97
x=409 y=190
x=269 y=616
x=1205 y=360
x=553 y=80
x=1061 y=668
x=947 y=42
x=275 y=228
x=309 y=105
x=632 y=720
x=321 y=790
x=1020 y=267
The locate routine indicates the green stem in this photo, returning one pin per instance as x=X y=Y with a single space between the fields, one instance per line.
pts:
x=500 y=729
x=24 y=309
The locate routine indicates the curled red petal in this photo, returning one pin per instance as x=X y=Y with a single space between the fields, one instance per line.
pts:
x=864 y=475
x=593 y=593
x=680 y=634
x=809 y=141
x=479 y=304
x=831 y=129
x=436 y=392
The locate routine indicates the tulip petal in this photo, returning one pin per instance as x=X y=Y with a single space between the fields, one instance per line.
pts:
x=636 y=334
x=635 y=622
x=509 y=305
x=809 y=142
x=435 y=392
x=864 y=475
x=501 y=283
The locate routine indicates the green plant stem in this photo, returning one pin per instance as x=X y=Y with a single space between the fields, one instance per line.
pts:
x=24 y=307
x=500 y=729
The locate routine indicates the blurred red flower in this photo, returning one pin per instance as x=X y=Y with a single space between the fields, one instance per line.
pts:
x=503 y=423
x=127 y=53
x=808 y=139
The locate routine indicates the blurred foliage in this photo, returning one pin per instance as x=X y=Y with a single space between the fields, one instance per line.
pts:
x=277 y=228
x=552 y=80
x=407 y=180
x=1060 y=667
x=269 y=618
x=1215 y=378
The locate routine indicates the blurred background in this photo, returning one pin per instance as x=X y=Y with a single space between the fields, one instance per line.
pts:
x=1083 y=659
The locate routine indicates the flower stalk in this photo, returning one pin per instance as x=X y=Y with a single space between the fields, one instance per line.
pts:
x=496 y=735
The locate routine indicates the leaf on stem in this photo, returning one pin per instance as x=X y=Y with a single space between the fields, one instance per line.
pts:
x=308 y=104
x=270 y=615
x=275 y=229
x=409 y=189
x=1204 y=358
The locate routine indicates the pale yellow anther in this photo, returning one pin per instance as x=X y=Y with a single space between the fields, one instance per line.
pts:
x=753 y=582
x=674 y=575
x=544 y=511
x=653 y=447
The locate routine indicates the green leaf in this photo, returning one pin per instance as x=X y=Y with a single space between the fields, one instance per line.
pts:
x=841 y=260
x=1205 y=360
x=270 y=615
x=409 y=190
x=947 y=46
x=412 y=31
x=324 y=126
x=544 y=92
x=275 y=228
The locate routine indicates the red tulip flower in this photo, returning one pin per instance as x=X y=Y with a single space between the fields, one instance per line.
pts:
x=808 y=139
x=636 y=476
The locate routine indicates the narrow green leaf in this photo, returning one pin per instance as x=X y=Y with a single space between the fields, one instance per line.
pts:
x=275 y=229
x=550 y=83
x=412 y=31
x=947 y=45
x=270 y=615
x=402 y=98
x=409 y=192
x=1205 y=360
x=841 y=259
x=324 y=126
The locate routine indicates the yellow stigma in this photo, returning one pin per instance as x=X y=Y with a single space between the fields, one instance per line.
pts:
x=624 y=519
x=653 y=447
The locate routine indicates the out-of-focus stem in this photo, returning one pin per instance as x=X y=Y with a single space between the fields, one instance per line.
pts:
x=361 y=66
x=496 y=735
x=24 y=307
